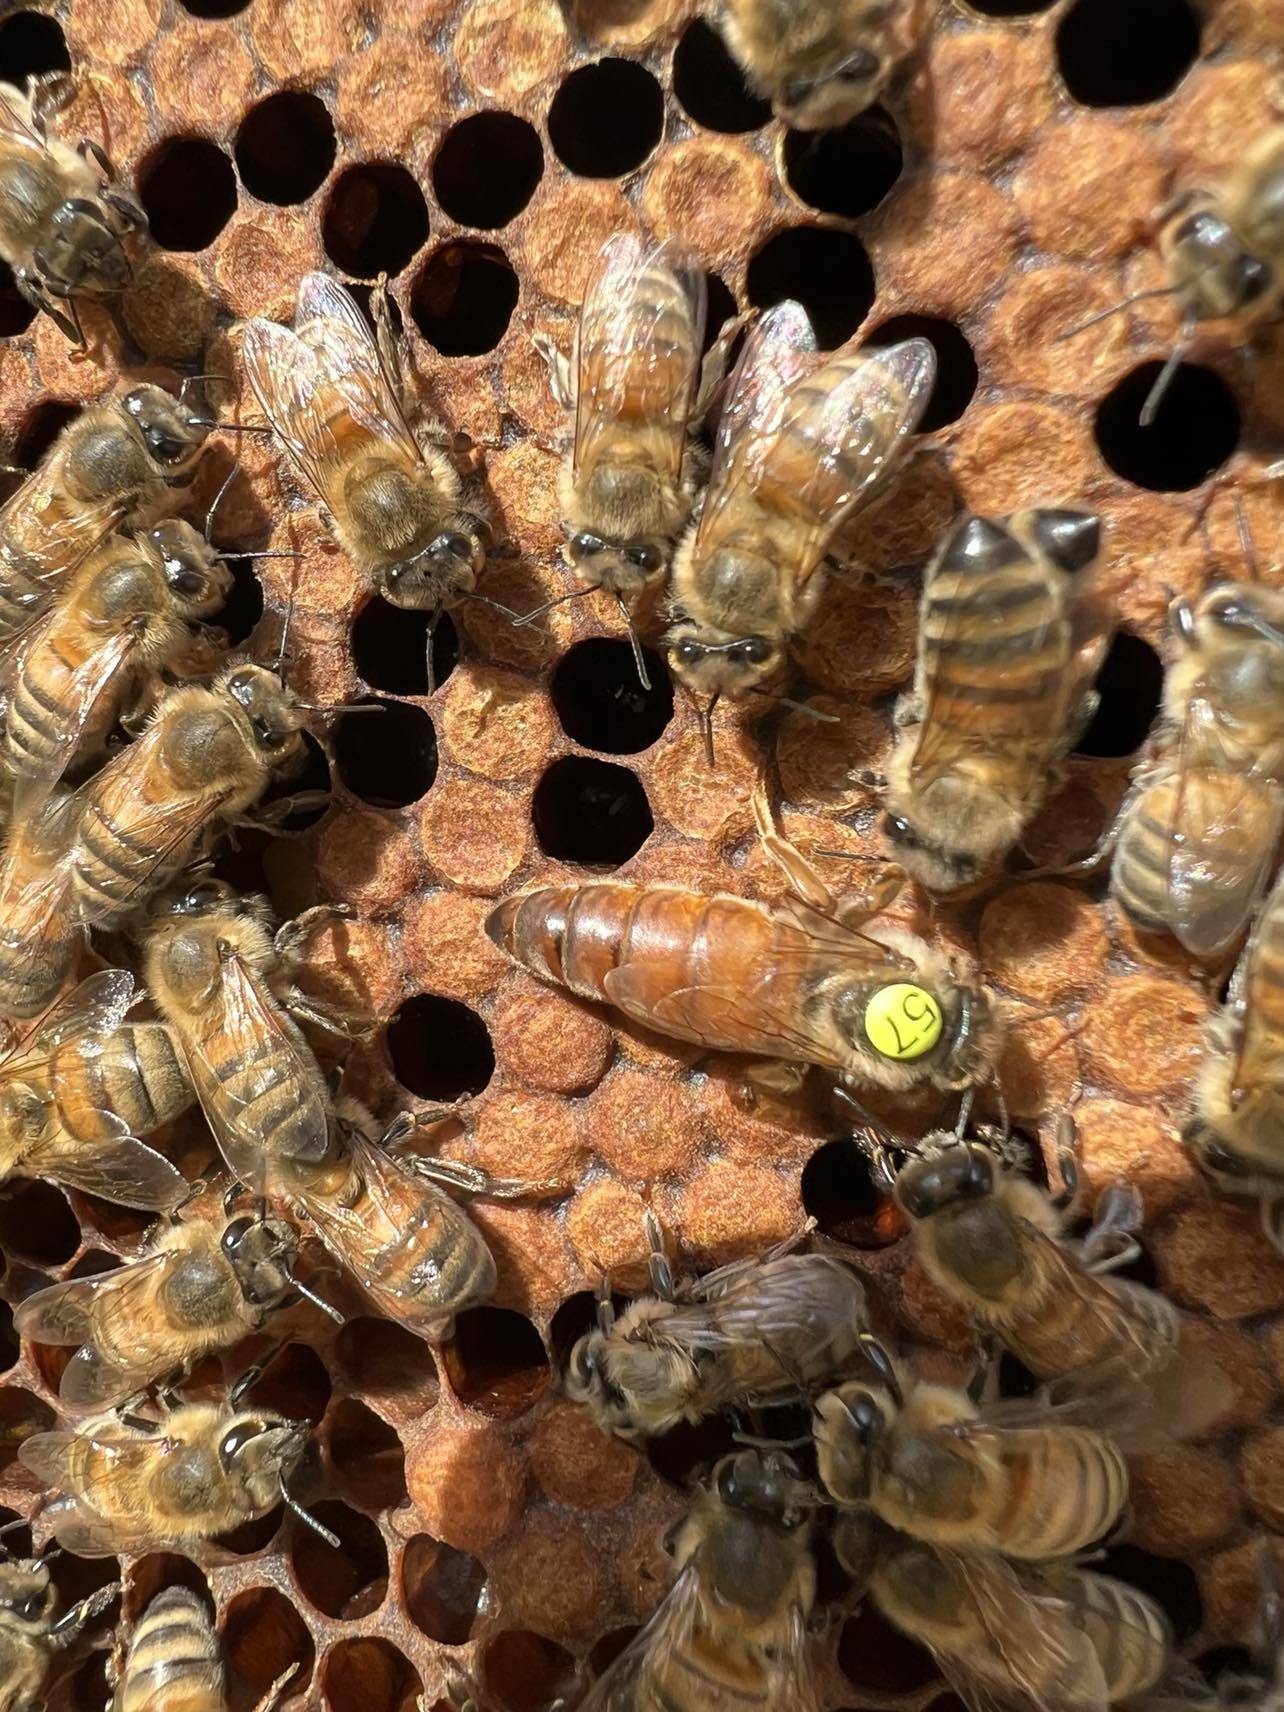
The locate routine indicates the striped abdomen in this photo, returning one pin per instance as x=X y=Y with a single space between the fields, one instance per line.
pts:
x=133 y=1075
x=39 y=930
x=113 y=865
x=1128 y=1633
x=1061 y=1488
x=257 y=1084
x=644 y=355
x=173 y=1662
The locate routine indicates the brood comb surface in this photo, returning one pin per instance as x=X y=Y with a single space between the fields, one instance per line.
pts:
x=479 y=151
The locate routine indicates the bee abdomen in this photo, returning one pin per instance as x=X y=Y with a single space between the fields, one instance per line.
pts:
x=173 y=1663
x=134 y=1074
x=1065 y=1488
x=29 y=981
x=1129 y=1634
x=33 y=727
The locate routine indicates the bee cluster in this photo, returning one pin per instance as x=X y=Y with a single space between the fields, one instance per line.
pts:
x=907 y=926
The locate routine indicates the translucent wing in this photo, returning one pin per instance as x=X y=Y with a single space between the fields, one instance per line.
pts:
x=667 y=1636
x=329 y=323
x=1038 y=1653
x=97 y=1006
x=16 y=128
x=103 y=1525
x=1259 y=1063
x=90 y=685
x=795 y=1304
x=290 y=386
x=638 y=353
x=779 y=349
x=48 y=539
x=123 y=1301
x=118 y=1168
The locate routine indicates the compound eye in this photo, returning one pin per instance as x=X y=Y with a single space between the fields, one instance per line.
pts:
x=687 y=652
x=133 y=403
x=234 y=1441
x=162 y=446
x=585 y=545
x=1254 y=278
x=756 y=651
x=1219 y=1158
x=235 y=1235
x=728 y=1484
x=795 y=92
x=452 y=546
x=896 y=826
x=241 y=686
x=866 y=1417
x=182 y=579
x=647 y=558
x=860 y=67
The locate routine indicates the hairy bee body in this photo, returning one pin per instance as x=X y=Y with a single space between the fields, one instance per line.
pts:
x=1224 y=250
x=40 y=930
x=1129 y=1633
x=734 y=975
x=1009 y=643
x=821 y=62
x=173 y=1662
x=30 y=1635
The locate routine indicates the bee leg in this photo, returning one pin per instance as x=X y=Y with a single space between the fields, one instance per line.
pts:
x=340 y=1024
x=472 y=1180
x=49 y=93
x=713 y=370
x=269 y=819
x=293 y=935
x=560 y=379
x=661 y=1272
x=248 y=1380
x=983 y=1387
x=272 y=1698
x=34 y=293
x=87 y=1611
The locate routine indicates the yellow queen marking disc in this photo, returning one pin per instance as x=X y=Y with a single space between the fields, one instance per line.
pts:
x=903 y=1021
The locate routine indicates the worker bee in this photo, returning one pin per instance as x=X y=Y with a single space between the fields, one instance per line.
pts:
x=126 y=615
x=219 y=980
x=1198 y=835
x=628 y=485
x=31 y=1636
x=131 y=1485
x=748 y=1330
x=1005 y=1636
x=335 y=398
x=1010 y=639
x=77 y=1085
x=63 y=228
x=820 y=62
x=1237 y=1132
x=932 y=1464
x=732 y=1632
x=173 y=1662
x=113 y=466
x=198 y=1291
x=40 y=931
x=796 y=453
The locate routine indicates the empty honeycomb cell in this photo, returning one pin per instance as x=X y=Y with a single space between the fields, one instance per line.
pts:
x=390 y=647
x=709 y=85
x=375 y=219
x=369 y=1675
x=214 y=8
x=31 y=44
x=463 y=298
x=295 y=1383
x=839 y=1192
x=37 y=1223
x=590 y=812
x=466 y=1482
x=1183 y=1501
x=578 y=1465
x=263 y=1636
x=389 y=758
x=21 y=1415
x=496 y=1362
x=347 y=1581
x=1130 y=686
x=601 y=702
x=285 y=147
x=874 y=1655
x=486 y=169
x=366 y=1456
x=526 y=1672
x=444 y=1590
x=1195 y=429
x=440 y=1049
x=847 y=170
x=829 y=272
x=16 y=314
x=606 y=118
x=148 y=1575
x=712 y=193
x=1043 y=941
x=188 y=191
x=1125 y=53
x=390 y=1365
x=1171 y=1584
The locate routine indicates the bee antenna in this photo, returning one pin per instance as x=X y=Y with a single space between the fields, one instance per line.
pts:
x=316 y=1301
x=636 y=645
x=191 y=380
x=798 y=706
x=218 y=500
x=965 y=1112
x=1246 y=540
x=343 y=706
x=876 y=1354
x=558 y=600
x=706 y=725
x=230 y=427
x=293 y=1505
x=1164 y=379
x=279 y=668
x=1116 y=309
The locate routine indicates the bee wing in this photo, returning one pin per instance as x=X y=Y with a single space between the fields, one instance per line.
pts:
x=16 y=129
x=97 y=1006
x=55 y=542
x=124 y=1300
x=794 y=1308
x=1258 y=1060
x=1035 y=1640
x=638 y=360
x=1219 y=812
x=668 y=1634
x=817 y=448
x=119 y=1463
x=329 y=323
x=117 y=1168
x=290 y=387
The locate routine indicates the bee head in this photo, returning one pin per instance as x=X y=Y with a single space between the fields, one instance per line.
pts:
x=932 y=865
x=27 y=1595
x=195 y=574
x=80 y=251
x=261 y=1253
x=446 y=567
x=712 y=664
x=935 y=1182
x=272 y=712
x=258 y=1450
x=172 y=431
x=622 y=567
x=763 y=1484
x=1212 y=271
x=835 y=95
x=850 y=1421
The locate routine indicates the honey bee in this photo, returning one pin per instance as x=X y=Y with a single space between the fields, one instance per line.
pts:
x=76 y=1086
x=131 y=1485
x=1198 y=835
x=930 y=1463
x=335 y=398
x=40 y=930
x=200 y=1290
x=731 y=1634
x=1010 y=639
x=31 y=1636
x=820 y=62
x=219 y=980
x=796 y=453
x=126 y=615
x=62 y=225
x=748 y=1330
x=635 y=386
x=112 y=467
x=173 y=1663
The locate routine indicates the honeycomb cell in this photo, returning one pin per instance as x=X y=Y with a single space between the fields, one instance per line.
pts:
x=369 y=1675
x=506 y=47
x=31 y=44
x=486 y=169
x=37 y=1223
x=440 y=1049
x=525 y=1672
x=463 y=299
x=387 y=758
x=188 y=191
x=710 y=86
x=16 y=314
x=388 y=1364
x=590 y=812
x=956 y=371
x=1183 y=1501
x=496 y=723
x=466 y=1481
x=21 y=1415
x=295 y=1384
x=444 y=1590
x=874 y=1655
x=712 y=193
x=1043 y=941
x=1195 y=430
x=606 y=118
x=602 y=703
x=1130 y=686
x=214 y=8
x=390 y=647
x=263 y=1636
x=496 y=1362
x=285 y=147
x=148 y=1575
x=348 y=1581
x=839 y=1192
x=375 y=219
x=1125 y=53
x=576 y=1464
x=366 y=1456
x=847 y=170
x=829 y=272
x=536 y=1135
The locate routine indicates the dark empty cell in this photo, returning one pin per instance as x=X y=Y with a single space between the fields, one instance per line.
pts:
x=496 y=1362
x=8 y=1338
x=442 y=1588
x=367 y=1458
x=1122 y=53
x=1195 y=429
x=872 y=1654
x=390 y=647
x=263 y=1637
x=576 y=1315
x=285 y=147
x=591 y=812
x=31 y=43
x=710 y=85
x=244 y=605
x=609 y=1648
x=294 y=1384
x=600 y=700
x=439 y=1048
x=827 y=272
x=369 y=1675
x=1171 y=1584
x=838 y=1192
x=487 y=168
x=40 y=428
x=1015 y=1378
x=18 y=1540
x=16 y=314
x=389 y=758
x=118 y=1224
x=350 y=1580
x=846 y=171
x=722 y=306
x=1130 y=684
x=37 y=1223
x=1220 y=1661
x=956 y=372
x=685 y=1454
x=21 y=1414
x=214 y=8
x=311 y=773
x=388 y=1362
x=606 y=118
x=188 y=191
x=251 y=1538
x=1011 y=8
x=525 y=1672
x=375 y=219
x=464 y=299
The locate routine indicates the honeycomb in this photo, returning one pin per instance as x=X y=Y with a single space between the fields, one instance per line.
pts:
x=478 y=151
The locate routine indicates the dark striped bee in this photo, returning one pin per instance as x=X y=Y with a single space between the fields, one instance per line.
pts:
x=173 y=1663
x=821 y=62
x=1011 y=636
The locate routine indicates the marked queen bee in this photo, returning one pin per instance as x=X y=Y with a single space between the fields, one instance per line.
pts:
x=821 y=62
x=31 y=1635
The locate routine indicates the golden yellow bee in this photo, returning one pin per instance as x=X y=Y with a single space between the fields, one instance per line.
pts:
x=31 y=1636
x=731 y=1634
x=173 y=1662
x=820 y=62
x=1011 y=635
x=40 y=929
